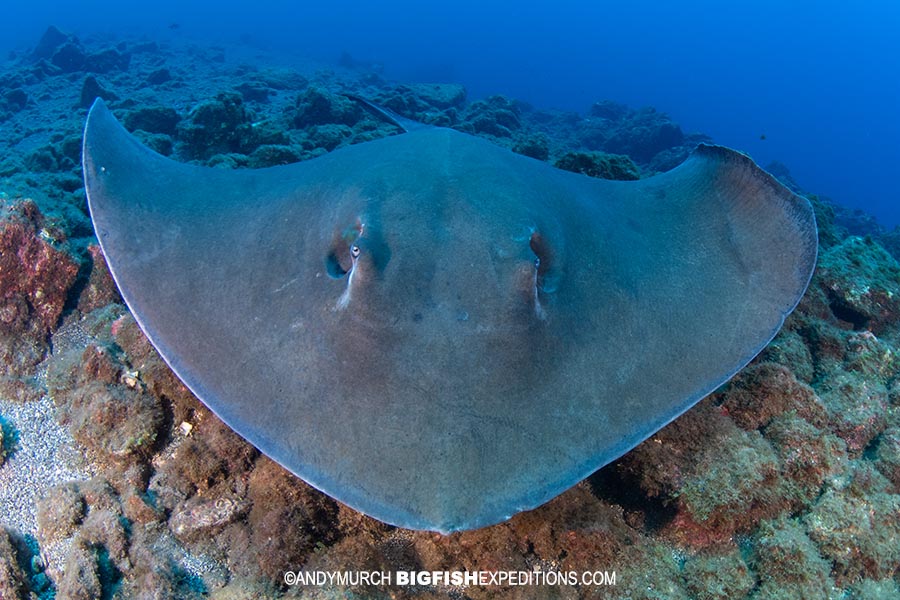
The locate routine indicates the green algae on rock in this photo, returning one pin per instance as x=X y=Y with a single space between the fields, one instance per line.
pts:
x=789 y=564
x=862 y=282
x=857 y=528
x=13 y=585
x=600 y=165
x=715 y=576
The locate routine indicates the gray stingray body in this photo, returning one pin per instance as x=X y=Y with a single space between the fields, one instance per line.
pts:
x=434 y=330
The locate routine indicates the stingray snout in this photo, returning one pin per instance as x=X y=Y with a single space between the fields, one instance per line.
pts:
x=525 y=293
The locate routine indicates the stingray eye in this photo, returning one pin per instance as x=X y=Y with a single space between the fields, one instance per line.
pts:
x=547 y=275
x=339 y=260
x=541 y=252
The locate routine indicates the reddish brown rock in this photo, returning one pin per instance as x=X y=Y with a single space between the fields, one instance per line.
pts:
x=287 y=520
x=71 y=368
x=788 y=563
x=577 y=529
x=118 y=423
x=390 y=555
x=812 y=309
x=808 y=457
x=35 y=277
x=888 y=455
x=488 y=549
x=733 y=484
x=98 y=493
x=81 y=577
x=857 y=408
x=35 y=280
x=862 y=283
x=100 y=288
x=660 y=463
x=828 y=345
x=723 y=480
x=356 y=524
x=104 y=404
x=106 y=529
x=857 y=527
x=152 y=575
x=138 y=508
x=789 y=349
x=60 y=512
x=871 y=357
x=12 y=580
x=19 y=358
x=210 y=455
x=765 y=390
x=155 y=374
x=100 y=364
x=713 y=576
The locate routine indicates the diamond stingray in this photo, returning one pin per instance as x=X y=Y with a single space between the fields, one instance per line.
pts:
x=439 y=332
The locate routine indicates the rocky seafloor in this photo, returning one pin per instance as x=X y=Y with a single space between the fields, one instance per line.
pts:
x=115 y=482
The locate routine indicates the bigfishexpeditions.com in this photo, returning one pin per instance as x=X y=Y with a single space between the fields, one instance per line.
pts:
x=451 y=578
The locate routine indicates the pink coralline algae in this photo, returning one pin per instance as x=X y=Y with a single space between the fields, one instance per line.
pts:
x=100 y=290
x=35 y=281
x=35 y=277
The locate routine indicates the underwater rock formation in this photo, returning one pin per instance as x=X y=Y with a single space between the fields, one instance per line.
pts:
x=496 y=116
x=35 y=280
x=433 y=103
x=215 y=127
x=12 y=580
x=862 y=283
x=644 y=135
x=91 y=89
x=317 y=106
x=36 y=276
x=14 y=100
x=534 y=146
x=597 y=164
x=164 y=119
x=67 y=54
x=641 y=134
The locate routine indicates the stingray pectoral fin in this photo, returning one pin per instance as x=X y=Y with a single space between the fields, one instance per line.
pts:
x=754 y=244
x=695 y=272
x=199 y=254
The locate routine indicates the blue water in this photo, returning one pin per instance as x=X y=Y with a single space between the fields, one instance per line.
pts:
x=818 y=80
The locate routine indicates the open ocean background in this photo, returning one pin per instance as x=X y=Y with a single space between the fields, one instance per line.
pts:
x=812 y=84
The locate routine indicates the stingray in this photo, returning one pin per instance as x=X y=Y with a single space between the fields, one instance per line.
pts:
x=434 y=330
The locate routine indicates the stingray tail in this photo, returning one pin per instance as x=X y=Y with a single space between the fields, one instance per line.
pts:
x=388 y=115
